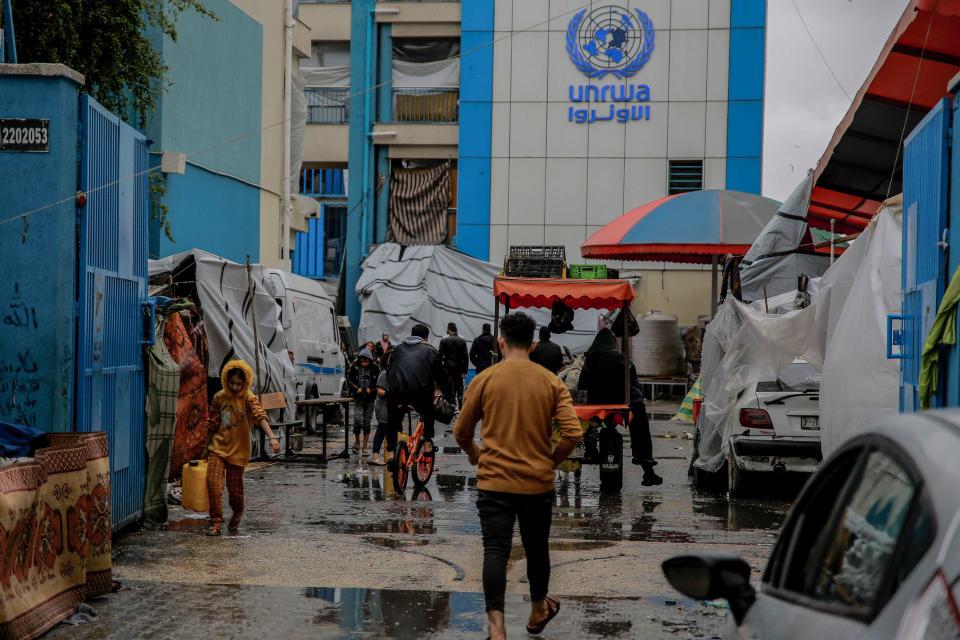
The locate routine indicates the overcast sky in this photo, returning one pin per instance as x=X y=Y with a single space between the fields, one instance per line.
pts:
x=804 y=103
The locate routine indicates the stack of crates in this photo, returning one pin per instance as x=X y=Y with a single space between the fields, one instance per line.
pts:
x=537 y=261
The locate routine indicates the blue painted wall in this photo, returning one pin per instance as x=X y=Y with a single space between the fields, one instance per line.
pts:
x=363 y=105
x=745 y=94
x=210 y=212
x=212 y=113
x=39 y=261
x=476 y=129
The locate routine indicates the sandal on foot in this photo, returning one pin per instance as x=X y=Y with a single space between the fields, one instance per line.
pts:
x=377 y=463
x=553 y=611
x=212 y=531
x=356 y=449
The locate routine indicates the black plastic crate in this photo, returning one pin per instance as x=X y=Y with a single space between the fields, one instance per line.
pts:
x=613 y=274
x=546 y=252
x=534 y=268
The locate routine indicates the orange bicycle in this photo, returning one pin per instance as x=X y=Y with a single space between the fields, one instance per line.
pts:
x=411 y=457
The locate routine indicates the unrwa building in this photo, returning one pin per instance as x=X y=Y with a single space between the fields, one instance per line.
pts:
x=564 y=116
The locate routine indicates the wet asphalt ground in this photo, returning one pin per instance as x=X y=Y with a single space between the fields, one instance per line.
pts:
x=333 y=552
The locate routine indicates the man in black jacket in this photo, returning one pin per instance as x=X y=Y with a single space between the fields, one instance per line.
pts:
x=453 y=353
x=415 y=371
x=481 y=353
x=547 y=354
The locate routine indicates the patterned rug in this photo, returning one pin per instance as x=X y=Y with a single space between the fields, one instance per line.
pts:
x=54 y=533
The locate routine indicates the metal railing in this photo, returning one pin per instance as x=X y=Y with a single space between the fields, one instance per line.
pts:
x=426 y=105
x=328 y=105
x=322 y=182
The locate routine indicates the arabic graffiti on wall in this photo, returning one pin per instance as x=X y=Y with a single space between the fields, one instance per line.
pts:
x=20 y=378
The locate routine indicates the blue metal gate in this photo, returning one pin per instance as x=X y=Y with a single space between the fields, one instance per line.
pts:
x=111 y=290
x=925 y=180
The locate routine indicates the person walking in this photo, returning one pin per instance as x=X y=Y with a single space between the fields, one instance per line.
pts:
x=381 y=348
x=602 y=379
x=547 y=354
x=481 y=351
x=362 y=381
x=453 y=352
x=234 y=411
x=517 y=402
x=380 y=411
x=415 y=371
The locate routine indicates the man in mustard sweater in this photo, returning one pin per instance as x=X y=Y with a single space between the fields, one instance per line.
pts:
x=517 y=401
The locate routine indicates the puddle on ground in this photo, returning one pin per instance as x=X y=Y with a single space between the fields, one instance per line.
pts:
x=395 y=543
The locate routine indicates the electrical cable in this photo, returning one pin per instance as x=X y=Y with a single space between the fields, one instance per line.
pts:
x=823 y=58
x=913 y=91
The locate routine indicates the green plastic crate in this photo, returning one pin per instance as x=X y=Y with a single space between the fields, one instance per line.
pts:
x=587 y=271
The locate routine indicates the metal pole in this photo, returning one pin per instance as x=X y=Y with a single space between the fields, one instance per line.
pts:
x=625 y=344
x=256 y=338
x=833 y=240
x=287 y=102
x=9 y=47
x=496 y=328
x=714 y=261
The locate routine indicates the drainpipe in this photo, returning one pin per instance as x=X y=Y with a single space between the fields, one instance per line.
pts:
x=833 y=241
x=287 y=99
x=369 y=49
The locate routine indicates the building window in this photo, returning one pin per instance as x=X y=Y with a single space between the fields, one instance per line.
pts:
x=319 y=250
x=684 y=175
x=323 y=183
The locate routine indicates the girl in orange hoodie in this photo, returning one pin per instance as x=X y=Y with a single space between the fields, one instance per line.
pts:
x=233 y=413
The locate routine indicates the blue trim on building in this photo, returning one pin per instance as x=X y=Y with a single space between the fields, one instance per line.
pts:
x=746 y=95
x=476 y=129
x=362 y=104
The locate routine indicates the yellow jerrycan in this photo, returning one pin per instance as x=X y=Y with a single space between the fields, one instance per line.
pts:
x=195 y=495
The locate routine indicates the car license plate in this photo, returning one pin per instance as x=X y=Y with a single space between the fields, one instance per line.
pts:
x=810 y=423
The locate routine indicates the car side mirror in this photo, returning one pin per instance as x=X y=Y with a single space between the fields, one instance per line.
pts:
x=708 y=576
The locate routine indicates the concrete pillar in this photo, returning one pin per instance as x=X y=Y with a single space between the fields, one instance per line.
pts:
x=38 y=251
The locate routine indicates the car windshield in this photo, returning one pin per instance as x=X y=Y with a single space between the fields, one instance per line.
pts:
x=799 y=377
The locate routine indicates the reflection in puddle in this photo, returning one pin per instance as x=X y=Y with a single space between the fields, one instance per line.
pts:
x=398 y=614
x=395 y=543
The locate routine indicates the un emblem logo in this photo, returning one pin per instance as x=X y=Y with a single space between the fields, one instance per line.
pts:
x=610 y=39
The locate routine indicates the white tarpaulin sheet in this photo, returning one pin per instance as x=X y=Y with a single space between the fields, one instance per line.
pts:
x=326 y=76
x=844 y=334
x=442 y=74
x=778 y=256
x=857 y=294
x=743 y=346
x=227 y=313
x=434 y=285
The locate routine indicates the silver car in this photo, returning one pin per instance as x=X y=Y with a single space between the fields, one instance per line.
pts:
x=779 y=427
x=870 y=548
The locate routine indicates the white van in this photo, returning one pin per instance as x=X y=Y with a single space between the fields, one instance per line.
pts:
x=313 y=336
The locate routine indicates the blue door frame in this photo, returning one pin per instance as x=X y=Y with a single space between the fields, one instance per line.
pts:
x=926 y=164
x=111 y=291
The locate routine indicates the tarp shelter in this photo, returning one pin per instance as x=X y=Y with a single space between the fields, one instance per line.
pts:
x=434 y=285
x=863 y=163
x=784 y=250
x=219 y=287
x=844 y=334
x=860 y=383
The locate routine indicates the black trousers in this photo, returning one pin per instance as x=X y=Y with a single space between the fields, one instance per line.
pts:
x=397 y=410
x=498 y=512
x=640 y=443
x=457 y=378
